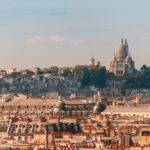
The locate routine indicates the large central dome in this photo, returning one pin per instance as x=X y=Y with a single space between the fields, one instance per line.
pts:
x=122 y=50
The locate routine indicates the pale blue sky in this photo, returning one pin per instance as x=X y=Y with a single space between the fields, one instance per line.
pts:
x=68 y=32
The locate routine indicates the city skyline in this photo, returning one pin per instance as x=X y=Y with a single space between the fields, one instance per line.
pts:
x=67 y=32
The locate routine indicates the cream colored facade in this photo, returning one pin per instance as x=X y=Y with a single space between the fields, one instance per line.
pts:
x=122 y=62
x=143 y=112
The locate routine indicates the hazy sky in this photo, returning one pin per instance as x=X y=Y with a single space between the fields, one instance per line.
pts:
x=68 y=32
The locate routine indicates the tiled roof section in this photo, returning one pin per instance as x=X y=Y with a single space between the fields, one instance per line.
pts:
x=127 y=110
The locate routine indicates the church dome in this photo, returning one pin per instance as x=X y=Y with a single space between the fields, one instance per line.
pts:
x=99 y=107
x=121 y=52
x=60 y=104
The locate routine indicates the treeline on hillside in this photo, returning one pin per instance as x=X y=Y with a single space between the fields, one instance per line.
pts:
x=140 y=80
x=95 y=77
x=99 y=76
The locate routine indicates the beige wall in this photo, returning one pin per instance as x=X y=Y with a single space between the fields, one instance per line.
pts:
x=143 y=140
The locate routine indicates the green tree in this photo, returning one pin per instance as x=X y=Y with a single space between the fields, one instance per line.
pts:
x=86 y=78
x=66 y=72
x=94 y=76
x=98 y=77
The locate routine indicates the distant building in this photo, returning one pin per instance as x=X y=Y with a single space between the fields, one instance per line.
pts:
x=6 y=98
x=92 y=62
x=11 y=70
x=122 y=62
x=141 y=111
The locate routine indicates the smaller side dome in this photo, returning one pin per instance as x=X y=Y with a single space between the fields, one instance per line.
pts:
x=99 y=107
x=60 y=104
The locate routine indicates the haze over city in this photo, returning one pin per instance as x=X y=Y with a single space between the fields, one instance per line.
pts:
x=69 y=32
x=74 y=75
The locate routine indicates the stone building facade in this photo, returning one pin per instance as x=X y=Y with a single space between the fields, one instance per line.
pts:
x=122 y=63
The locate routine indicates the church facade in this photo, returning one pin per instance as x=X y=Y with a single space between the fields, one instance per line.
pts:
x=122 y=63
